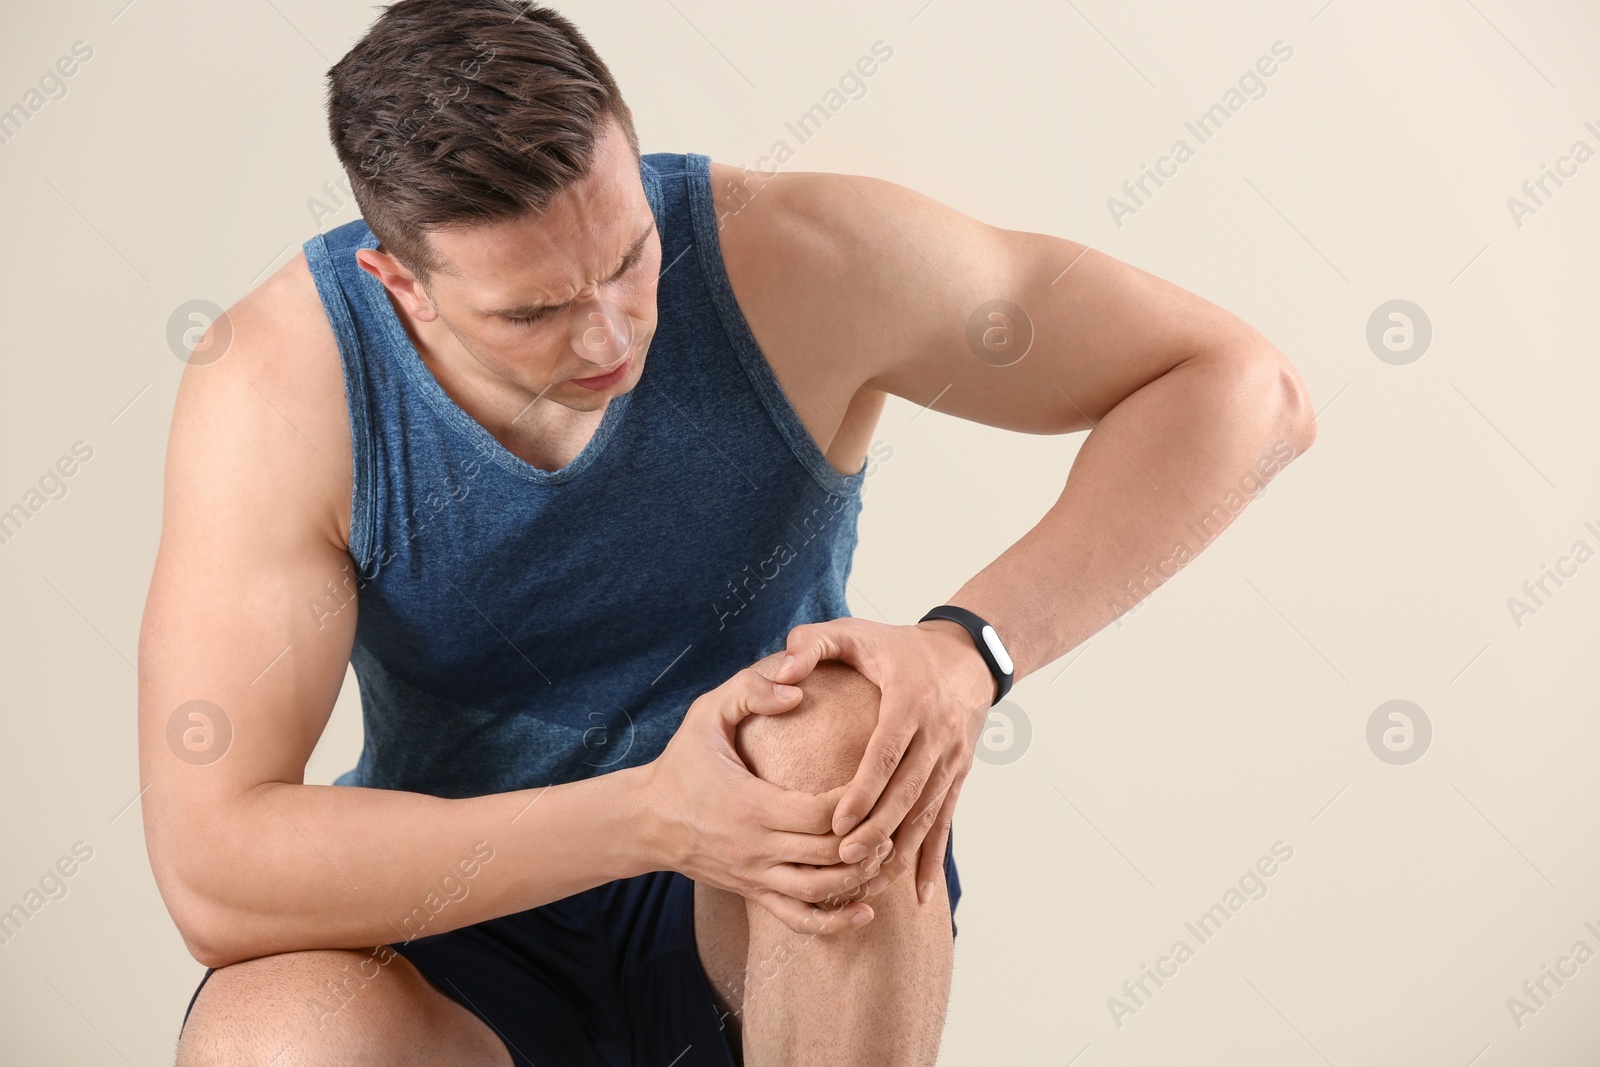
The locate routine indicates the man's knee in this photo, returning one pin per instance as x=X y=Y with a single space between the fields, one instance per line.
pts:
x=259 y=1009
x=818 y=744
x=326 y=1006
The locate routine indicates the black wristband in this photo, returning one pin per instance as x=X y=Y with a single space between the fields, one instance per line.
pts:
x=989 y=645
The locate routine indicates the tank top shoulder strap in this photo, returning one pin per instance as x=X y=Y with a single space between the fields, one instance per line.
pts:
x=691 y=241
x=331 y=259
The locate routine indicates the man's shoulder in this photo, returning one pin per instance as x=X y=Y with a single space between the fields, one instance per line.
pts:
x=816 y=238
x=811 y=247
x=286 y=316
x=288 y=350
x=780 y=205
x=787 y=242
x=276 y=394
x=796 y=250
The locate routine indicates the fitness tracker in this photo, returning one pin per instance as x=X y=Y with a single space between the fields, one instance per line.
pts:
x=989 y=645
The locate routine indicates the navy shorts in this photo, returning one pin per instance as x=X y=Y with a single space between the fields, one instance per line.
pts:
x=609 y=977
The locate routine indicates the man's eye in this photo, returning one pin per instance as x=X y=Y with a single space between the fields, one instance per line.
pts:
x=545 y=313
x=529 y=320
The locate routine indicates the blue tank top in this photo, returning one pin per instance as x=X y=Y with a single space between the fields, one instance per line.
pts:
x=520 y=627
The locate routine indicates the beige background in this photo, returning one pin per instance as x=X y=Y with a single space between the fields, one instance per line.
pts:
x=1169 y=752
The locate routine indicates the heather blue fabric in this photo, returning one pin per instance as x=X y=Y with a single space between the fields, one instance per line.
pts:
x=521 y=627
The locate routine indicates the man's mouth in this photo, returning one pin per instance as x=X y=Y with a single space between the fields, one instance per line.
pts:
x=606 y=380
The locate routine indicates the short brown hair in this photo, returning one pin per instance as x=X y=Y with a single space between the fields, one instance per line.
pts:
x=460 y=112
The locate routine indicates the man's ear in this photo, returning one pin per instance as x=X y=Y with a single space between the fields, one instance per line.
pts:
x=399 y=281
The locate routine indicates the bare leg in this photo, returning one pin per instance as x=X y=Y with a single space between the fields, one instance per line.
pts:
x=281 y=1011
x=723 y=934
x=875 y=995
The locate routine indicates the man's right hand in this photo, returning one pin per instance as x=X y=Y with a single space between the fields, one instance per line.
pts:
x=718 y=823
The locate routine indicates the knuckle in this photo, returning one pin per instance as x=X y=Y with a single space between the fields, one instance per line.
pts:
x=886 y=759
x=911 y=788
x=839 y=898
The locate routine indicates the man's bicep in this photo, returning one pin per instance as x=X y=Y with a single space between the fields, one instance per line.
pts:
x=1015 y=329
x=263 y=636
x=249 y=620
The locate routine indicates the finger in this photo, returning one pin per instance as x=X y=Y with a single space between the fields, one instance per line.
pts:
x=896 y=866
x=809 y=919
x=838 y=884
x=776 y=808
x=931 y=866
x=821 y=850
x=811 y=643
x=917 y=771
x=876 y=834
x=879 y=871
x=890 y=738
x=913 y=835
x=750 y=693
x=860 y=873
x=920 y=816
x=893 y=869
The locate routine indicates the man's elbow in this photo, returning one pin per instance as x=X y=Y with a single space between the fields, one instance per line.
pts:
x=199 y=920
x=1300 y=413
x=203 y=934
x=1282 y=394
x=203 y=952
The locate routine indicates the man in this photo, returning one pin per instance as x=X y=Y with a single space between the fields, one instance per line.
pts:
x=562 y=447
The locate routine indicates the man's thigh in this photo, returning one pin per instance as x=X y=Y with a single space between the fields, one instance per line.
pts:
x=331 y=1006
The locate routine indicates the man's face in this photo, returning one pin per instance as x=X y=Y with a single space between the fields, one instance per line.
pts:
x=547 y=300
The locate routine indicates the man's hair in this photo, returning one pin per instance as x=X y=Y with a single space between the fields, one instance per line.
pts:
x=461 y=112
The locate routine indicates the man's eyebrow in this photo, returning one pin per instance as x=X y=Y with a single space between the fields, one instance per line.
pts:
x=525 y=310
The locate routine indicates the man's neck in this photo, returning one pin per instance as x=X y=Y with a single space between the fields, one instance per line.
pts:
x=537 y=430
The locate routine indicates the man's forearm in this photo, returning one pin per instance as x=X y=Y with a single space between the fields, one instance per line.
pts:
x=1153 y=484
x=293 y=867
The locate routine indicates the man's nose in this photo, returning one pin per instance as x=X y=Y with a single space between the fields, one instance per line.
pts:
x=600 y=332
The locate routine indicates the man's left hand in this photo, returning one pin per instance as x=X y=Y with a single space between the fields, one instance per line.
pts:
x=936 y=691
